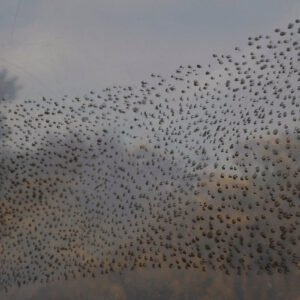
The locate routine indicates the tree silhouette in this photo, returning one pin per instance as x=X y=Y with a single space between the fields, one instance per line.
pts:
x=8 y=91
x=8 y=86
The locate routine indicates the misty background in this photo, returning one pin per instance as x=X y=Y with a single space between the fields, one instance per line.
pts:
x=61 y=48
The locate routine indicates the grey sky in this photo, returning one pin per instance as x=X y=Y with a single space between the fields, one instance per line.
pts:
x=70 y=47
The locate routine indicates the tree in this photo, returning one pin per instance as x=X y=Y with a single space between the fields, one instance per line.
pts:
x=8 y=86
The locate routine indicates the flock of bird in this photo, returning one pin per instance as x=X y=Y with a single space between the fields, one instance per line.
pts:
x=199 y=170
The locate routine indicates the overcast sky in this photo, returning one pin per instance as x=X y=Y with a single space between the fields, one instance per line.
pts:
x=71 y=46
x=55 y=47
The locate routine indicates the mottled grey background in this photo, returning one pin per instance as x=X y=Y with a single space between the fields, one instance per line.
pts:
x=51 y=48
x=72 y=46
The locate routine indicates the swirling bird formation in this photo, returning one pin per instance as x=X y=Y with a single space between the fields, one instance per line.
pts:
x=198 y=170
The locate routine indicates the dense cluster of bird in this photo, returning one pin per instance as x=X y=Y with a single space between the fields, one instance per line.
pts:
x=199 y=170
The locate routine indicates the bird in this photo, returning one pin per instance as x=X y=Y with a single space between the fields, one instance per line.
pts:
x=198 y=170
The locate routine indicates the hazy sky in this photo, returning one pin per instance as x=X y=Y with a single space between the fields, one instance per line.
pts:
x=55 y=47
x=71 y=46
